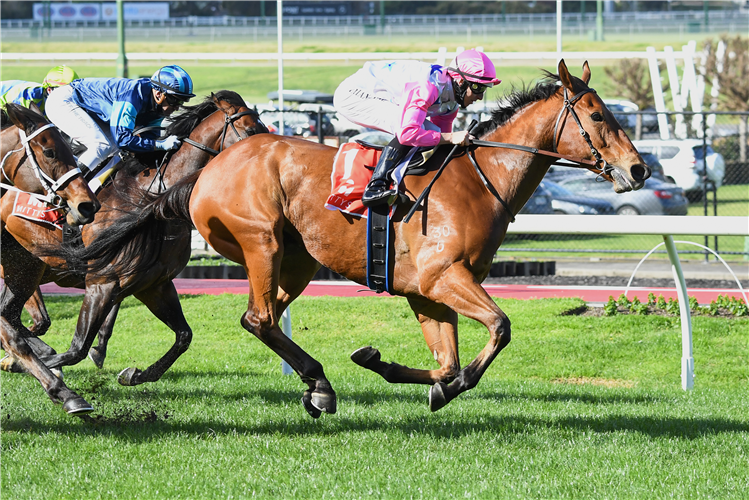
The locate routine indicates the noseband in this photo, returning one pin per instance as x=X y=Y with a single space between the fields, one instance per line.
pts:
x=49 y=184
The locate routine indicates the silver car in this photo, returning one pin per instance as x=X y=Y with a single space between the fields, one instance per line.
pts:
x=655 y=198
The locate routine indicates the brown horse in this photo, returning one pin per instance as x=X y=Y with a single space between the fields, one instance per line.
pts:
x=272 y=221
x=36 y=159
x=163 y=262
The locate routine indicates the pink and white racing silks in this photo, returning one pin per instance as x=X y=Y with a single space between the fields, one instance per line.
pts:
x=412 y=100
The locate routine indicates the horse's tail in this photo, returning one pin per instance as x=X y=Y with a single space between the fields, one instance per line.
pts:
x=132 y=243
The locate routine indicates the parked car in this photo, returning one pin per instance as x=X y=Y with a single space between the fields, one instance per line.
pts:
x=655 y=167
x=539 y=202
x=625 y=114
x=682 y=162
x=654 y=198
x=564 y=201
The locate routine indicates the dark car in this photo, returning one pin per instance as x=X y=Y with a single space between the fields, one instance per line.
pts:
x=539 y=202
x=654 y=198
x=655 y=167
x=564 y=201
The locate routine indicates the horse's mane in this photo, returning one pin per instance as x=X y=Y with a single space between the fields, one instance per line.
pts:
x=25 y=113
x=518 y=98
x=184 y=123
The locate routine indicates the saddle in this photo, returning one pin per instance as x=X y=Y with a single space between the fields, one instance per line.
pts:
x=353 y=167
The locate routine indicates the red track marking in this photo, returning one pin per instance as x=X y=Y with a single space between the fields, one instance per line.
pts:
x=523 y=292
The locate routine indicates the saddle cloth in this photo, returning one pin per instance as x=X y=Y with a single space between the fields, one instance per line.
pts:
x=353 y=166
x=28 y=207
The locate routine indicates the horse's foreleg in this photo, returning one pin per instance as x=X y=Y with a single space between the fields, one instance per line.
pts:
x=97 y=303
x=459 y=290
x=297 y=270
x=55 y=388
x=440 y=327
x=163 y=302
x=98 y=353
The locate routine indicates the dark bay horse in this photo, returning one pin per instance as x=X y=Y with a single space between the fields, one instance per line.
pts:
x=36 y=159
x=167 y=255
x=272 y=221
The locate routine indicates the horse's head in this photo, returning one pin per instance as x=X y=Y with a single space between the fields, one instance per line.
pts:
x=41 y=162
x=242 y=121
x=586 y=128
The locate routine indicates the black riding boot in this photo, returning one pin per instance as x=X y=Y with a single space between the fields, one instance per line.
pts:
x=378 y=190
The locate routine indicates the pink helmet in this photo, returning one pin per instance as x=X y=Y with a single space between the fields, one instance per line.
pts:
x=474 y=66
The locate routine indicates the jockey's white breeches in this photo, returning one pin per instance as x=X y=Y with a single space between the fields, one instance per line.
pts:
x=63 y=111
x=363 y=108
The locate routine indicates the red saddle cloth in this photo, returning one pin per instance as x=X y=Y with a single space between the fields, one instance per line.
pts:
x=28 y=207
x=350 y=177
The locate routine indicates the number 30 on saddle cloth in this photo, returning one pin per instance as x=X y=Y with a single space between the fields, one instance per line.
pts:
x=352 y=168
x=26 y=206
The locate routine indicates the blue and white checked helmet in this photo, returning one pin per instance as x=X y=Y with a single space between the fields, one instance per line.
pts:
x=173 y=80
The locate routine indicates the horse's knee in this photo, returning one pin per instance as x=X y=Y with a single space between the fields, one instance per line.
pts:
x=184 y=338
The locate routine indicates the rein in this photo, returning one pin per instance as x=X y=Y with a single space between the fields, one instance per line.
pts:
x=49 y=184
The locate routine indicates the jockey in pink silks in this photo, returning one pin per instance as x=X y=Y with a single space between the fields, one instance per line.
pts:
x=417 y=102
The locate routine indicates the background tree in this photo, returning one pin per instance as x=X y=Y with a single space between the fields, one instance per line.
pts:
x=631 y=80
x=732 y=78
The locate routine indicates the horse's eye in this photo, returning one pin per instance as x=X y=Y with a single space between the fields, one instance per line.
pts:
x=49 y=153
x=597 y=117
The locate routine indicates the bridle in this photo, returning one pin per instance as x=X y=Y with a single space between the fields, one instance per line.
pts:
x=228 y=122
x=49 y=184
x=599 y=165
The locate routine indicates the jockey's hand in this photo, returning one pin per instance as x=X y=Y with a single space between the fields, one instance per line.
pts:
x=462 y=138
x=171 y=142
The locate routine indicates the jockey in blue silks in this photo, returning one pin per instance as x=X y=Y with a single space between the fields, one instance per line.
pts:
x=103 y=113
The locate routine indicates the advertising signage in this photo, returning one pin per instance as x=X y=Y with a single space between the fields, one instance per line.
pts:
x=97 y=11
x=317 y=9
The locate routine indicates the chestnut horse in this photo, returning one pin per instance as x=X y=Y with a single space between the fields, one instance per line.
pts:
x=153 y=286
x=36 y=159
x=272 y=220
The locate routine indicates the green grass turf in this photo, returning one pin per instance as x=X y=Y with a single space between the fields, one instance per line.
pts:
x=224 y=423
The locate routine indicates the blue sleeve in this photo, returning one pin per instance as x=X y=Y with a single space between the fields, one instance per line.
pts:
x=122 y=124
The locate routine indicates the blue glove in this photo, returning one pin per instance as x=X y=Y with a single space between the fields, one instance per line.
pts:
x=171 y=142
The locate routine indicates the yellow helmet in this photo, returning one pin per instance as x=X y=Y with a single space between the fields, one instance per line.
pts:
x=59 y=76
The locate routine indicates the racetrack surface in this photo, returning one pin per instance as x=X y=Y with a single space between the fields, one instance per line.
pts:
x=592 y=289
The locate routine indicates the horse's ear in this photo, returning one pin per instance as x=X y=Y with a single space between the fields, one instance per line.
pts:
x=33 y=107
x=17 y=117
x=213 y=98
x=564 y=75
x=586 y=73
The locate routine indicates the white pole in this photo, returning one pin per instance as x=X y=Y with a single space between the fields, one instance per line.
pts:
x=687 y=361
x=279 y=19
x=660 y=103
x=559 y=30
x=286 y=327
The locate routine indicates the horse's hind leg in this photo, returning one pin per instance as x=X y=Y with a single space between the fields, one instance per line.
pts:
x=439 y=325
x=262 y=263
x=163 y=302
x=98 y=353
x=55 y=388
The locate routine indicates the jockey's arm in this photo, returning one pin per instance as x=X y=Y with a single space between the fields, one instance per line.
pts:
x=122 y=125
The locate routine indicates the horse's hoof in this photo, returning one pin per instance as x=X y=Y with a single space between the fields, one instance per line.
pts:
x=365 y=355
x=57 y=372
x=324 y=402
x=127 y=376
x=96 y=357
x=77 y=406
x=307 y=402
x=437 y=397
x=11 y=364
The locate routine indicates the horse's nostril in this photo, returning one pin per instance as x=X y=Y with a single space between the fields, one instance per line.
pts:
x=640 y=172
x=87 y=210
